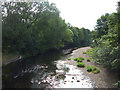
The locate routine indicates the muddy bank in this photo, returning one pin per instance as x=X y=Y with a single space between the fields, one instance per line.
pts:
x=17 y=57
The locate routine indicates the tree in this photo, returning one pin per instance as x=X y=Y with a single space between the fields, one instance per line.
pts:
x=33 y=28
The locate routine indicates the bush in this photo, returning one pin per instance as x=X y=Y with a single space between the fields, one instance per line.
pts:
x=76 y=59
x=84 y=52
x=80 y=64
x=107 y=56
x=69 y=58
x=117 y=84
x=79 y=59
x=88 y=59
x=89 y=52
x=93 y=69
x=89 y=68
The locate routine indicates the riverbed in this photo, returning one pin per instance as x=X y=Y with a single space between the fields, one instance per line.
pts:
x=51 y=70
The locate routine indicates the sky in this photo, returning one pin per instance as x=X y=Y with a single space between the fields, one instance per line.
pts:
x=84 y=13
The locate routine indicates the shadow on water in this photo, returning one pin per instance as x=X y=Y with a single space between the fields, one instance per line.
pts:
x=24 y=73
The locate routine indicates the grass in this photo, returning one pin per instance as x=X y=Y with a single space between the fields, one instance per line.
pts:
x=80 y=64
x=89 y=52
x=79 y=59
x=69 y=58
x=88 y=59
x=84 y=52
x=93 y=69
x=76 y=59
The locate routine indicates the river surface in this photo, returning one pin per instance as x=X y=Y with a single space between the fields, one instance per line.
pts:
x=48 y=71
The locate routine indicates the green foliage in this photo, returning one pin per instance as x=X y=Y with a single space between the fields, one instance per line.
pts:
x=32 y=33
x=80 y=64
x=107 y=56
x=102 y=26
x=76 y=59
x=93 y=69
x=79 y=59
x=69 y=58
x=105 y=41
x=90 y=52
x=84 y=52
x=81 y=36
x=88 y=59
x=117 y=85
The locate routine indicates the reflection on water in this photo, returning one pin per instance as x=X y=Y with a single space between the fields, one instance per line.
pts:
x=74 y=78
x=51 y=71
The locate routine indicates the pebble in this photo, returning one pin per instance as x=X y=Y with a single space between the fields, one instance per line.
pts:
x=15 y=76
x=36 y=81
x=39 y=82
x=82 y=79
x=78 y=80
x=32 y=81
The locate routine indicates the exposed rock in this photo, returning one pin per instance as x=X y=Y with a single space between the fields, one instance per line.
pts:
x=78 y=80
x=39 y=82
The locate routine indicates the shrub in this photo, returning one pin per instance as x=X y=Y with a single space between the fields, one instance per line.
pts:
x=93 y=69
x=84 y=52
x=89 y=52
x=88 y=59
x=76 y=59
x=69 y=58
x=117 y=84
x=89 y=68
x=80 y=64
x=79 y=59
x=96 y=71
x=107 y=56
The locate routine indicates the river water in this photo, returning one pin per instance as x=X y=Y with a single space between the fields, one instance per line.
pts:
x=48 y=71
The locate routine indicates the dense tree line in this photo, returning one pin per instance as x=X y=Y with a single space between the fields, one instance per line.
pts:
x=33 y=28
x=81 y=36
x=106 y=41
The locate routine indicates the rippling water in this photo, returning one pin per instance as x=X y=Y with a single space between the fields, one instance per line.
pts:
x=51 y=71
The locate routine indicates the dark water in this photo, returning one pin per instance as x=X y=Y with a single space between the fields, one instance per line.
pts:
x=47 y=71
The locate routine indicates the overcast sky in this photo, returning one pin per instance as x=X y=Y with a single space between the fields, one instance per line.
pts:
x=84 y=13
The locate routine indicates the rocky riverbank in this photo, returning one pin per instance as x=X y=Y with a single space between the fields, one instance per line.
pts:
x=104 y=79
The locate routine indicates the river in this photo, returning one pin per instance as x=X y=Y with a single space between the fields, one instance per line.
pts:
x=52 y=70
